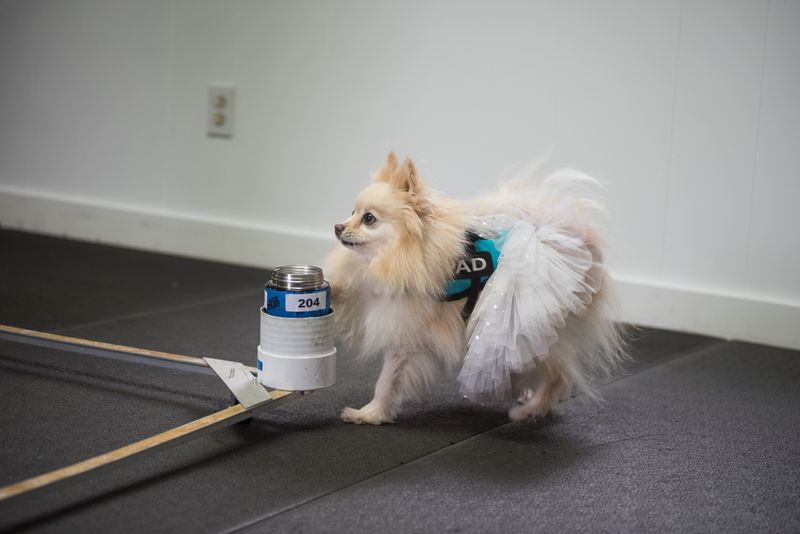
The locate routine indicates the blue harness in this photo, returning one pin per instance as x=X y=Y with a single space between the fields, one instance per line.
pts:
x=473 y=270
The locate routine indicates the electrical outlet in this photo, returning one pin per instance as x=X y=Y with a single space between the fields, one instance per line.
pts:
x=219 y=115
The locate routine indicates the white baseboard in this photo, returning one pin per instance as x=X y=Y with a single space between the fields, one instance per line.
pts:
x=210 y=238
x=729 y=316
x=644 y=302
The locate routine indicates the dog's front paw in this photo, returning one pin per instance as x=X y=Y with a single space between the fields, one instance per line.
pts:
x=367 y=415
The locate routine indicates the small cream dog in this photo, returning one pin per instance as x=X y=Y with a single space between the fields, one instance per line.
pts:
x=403 y=244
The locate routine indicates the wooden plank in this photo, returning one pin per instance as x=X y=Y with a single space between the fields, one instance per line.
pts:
x=175 y=436
x=121 y=453
x=100 y=345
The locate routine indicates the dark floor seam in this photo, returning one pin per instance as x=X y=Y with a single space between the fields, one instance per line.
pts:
x=348 y=486
x=211 y=300
x=679 y=355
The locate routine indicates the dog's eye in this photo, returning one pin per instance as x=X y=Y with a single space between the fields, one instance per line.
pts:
x=368 y=219
x=353 y=212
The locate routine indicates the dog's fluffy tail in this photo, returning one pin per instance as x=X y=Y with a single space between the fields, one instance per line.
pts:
x=568 y=198
x=590 y=346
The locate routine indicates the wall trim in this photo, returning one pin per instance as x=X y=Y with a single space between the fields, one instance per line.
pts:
x=691 y=309
x=231 y=241
x=645 y=302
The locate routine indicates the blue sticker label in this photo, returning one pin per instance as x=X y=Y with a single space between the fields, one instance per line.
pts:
x=314 y=303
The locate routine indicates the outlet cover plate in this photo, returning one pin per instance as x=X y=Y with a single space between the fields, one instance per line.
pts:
x=220 y=111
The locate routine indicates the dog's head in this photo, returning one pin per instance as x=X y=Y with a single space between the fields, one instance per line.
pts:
x=389 y=210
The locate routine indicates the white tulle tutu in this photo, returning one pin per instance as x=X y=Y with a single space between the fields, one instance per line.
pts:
x=542 y=276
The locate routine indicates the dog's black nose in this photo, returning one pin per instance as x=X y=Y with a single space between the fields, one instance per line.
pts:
x=338 y=228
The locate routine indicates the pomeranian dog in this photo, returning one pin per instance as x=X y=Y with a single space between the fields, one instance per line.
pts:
x=542 y=327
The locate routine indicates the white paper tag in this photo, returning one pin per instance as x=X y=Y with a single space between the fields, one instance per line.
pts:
x=308 y=302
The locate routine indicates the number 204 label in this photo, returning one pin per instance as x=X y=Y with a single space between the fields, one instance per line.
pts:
x=306 y=302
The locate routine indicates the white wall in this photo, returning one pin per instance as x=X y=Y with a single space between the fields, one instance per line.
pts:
x=690 y=112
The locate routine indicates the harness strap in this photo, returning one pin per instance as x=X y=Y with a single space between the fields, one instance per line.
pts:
x=472 y=272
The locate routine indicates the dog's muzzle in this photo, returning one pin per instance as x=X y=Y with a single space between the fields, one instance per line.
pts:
x=341 y=235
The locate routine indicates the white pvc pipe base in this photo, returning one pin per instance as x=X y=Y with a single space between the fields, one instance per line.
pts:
x=297 y=373
x=297 y=354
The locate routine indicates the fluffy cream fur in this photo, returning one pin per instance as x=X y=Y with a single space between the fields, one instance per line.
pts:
x=399 y=248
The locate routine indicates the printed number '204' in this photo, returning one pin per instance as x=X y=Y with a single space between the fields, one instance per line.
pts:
x=307 y=303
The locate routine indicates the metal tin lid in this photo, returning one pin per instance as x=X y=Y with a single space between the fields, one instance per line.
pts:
x=297 y=278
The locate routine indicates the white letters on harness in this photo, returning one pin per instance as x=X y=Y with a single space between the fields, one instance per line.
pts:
x=474 y=265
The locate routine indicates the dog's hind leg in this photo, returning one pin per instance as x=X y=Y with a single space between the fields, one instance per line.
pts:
x=551 y=386
x=404 y=375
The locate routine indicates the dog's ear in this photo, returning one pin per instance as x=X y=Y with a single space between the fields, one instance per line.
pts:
x=405 y=178
x=385 y=172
